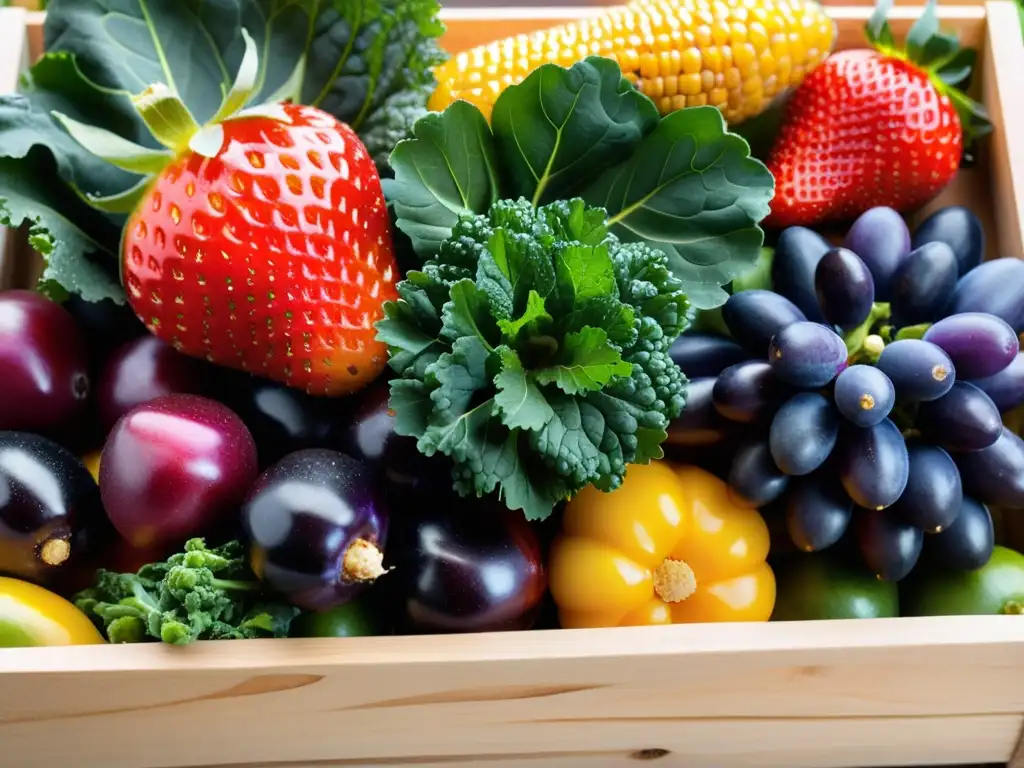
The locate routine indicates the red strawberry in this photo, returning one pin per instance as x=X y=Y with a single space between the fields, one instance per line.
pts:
x=874 y=127
x=262 y=242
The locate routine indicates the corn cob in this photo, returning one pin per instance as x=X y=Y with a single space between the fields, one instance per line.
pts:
x=736 y=55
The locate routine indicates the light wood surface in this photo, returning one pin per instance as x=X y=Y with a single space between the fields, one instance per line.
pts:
x=13 y=58
x=912 y=692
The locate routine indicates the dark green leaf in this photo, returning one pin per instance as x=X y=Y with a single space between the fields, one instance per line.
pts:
x=938 y=49
x=460 y=374
x=922 y=31
x=877 y=29
x=525 y=262
x=586 y=362
x=410 y=401
x=692 y=190
x=957 y=69
x=519 y=400
x=468 y=314
x=448 y=169
x=560 y=127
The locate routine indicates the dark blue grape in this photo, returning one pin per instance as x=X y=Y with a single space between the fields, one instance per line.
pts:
x=919 y=371
x=807 y=355
x=873 y=464
x=889 y=547
x=803 y=433
x=996 y=287
x=1006 y=388
x=995 y=475
x=700 y=423
x=705 y=354
x=979 y=344
x=864 y=395
x=968 y=543
x=881 y=238
x=797 y=253
x=958 y=228
x=963 y=419
x=748 y=391
x=818 y=511
x=923 y=285
x=931 y=501
x=754 y=480
x=844 y=287
x=755 y=316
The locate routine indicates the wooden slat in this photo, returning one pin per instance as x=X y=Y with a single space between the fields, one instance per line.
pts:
x=13 y=58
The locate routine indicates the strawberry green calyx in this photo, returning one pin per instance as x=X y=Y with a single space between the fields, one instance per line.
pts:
x=936 y=53
x=173 y=126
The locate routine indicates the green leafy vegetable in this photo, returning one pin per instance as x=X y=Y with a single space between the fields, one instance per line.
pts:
x=368 y=62
x=198 y=594
x=682 y=184
x=533 y=351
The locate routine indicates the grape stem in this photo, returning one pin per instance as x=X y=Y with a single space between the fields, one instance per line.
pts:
x=880 y=312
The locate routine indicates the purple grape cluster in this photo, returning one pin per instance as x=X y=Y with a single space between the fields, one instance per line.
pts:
x=863 y=390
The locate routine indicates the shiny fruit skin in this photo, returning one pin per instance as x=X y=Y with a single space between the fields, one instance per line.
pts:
x=993 y=287
x=967 y=544
x=959 y=228
x=1006 y=388
x=995 y=475
x=44 y=363
x=979 y=344
x=51 y=516
x=919 y=371
x=807 y=355
x=174 y=468
x=803 y=433
x=755 y=316
x=705 y=354
x=873 y=464
x=797 y=253
x=818 y=511
x=754 y=480
x=880 y=238
x=302 y=517
x=934 y=493
x=142 y=370
x=864 y=395
x=820 y=586
x=444 y=560
x=963 y=419
x=845 y=288
x=273 y=257
x=858 y=98
x=700 y=424
x=31 y=616
x=747 y=391
x=923 y=285
x=890 y=547
x=997 y=587
x=352 y=619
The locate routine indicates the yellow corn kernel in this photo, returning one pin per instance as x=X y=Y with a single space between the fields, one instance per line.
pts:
x=733 y=54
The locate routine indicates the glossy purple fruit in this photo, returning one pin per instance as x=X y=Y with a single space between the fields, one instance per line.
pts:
x=142 y=370
x=705 y=354
x=1006 y=388
x=755 y=316
x=979 y=344
x=174 y=468
x=995 y=475
x=890 y=547
x=881 y=239
x=797 y=253
x=700 y=424
x=873 y=464
x=963 y=419
x=748 y=391
x=844 y=287
x=996 y=287
x=919 y=371
x=923 y=285
x=44 y=363
x=317 y=528
x=465 y=566
x=807 y=355
x=958 y=228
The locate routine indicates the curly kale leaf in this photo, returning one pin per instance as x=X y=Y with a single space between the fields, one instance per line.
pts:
x=533 y=351
x=197 y=594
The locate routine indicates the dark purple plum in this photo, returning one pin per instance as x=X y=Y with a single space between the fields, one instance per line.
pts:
x=142 y=370
x=967 y=543
x=934 y=493
x=807 y=355
x=754 y=480
x=174 y=468
x=958 y=228
x=755 y=316
x=803 y=433
x=748 y=391
x=465 y=566
x=44 y=364
x=104 y=324
x=51 y=515
x=923 y=285
x=317 y=528
x=844 y=287
x=881 y=239
x=995 y=287
x=818 y=511
x=919 y=371
x=890 y=547
x=797 y=253
x=864 y=395
x=979 y=344
x=963 y=419
x=705 y=354
x=995 y=475
x=873 y=464
x=1006 y=388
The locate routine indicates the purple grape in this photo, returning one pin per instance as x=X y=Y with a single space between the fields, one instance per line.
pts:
x=881 y=239
x=818 y=511
x=807 y=355
x=979 y=344
x=923 y=285
x=755 y=316
x=844 y=287
x=699 y=424
x=890 y=548
x=1006 y=388
x=873 y=464
x=803 y=433
x=918 y=370
x=797 y=253
x=967 y=543
x=44 y=363
x=934 y=493
x=963 y=419
x=995 y=475
x=754 y=480
x=864 y=395
x=705 y=354
x=958 y=228
x=748 y=391
x=995 y=287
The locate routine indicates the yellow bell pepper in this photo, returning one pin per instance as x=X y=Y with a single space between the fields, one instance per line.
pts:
x=667 y=547
x=32 y=616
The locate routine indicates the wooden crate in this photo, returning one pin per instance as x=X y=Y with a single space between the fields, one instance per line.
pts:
x=933 y=691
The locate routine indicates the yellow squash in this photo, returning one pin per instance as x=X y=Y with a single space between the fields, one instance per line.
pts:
x=736 y=55
x=33 y=616
x=667 y=547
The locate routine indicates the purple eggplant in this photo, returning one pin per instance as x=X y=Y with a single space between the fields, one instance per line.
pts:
x=317 y=527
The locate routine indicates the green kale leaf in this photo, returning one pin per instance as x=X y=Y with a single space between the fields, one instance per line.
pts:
x=533 y=351
x=198 y=594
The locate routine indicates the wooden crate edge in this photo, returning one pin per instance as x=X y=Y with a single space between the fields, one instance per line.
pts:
x=14 y=57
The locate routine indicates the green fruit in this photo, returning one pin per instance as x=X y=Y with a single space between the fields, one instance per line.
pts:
x=759 y=276
x=997 y=587
x=820 y=586
x=348 y=620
